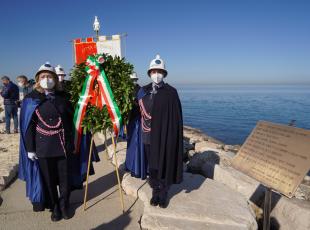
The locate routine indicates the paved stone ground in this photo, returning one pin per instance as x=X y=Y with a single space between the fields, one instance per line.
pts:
x=104 y=208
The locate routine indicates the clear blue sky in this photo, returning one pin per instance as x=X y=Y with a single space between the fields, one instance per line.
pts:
x=213 y=42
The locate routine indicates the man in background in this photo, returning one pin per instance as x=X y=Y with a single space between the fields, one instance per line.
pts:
x=24 y=84
x=10 y=94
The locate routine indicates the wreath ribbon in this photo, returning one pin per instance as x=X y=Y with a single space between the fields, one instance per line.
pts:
x=105 y=97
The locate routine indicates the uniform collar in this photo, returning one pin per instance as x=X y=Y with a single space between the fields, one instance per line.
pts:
x=159 y=85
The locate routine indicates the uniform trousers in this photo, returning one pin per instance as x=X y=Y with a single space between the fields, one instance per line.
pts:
x=54 y=171
x=159 y=188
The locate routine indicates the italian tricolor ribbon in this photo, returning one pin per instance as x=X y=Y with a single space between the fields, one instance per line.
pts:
x=106 y=97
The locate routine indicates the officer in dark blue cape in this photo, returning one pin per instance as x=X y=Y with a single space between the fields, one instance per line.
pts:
x=135 y=158
x=155 y=138
x=47 y=160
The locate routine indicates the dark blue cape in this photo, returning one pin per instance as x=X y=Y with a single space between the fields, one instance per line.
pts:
x=29 y=170
x=135 y=158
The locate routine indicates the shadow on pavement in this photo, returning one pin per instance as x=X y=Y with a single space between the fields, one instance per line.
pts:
x=188 y=187
x=118 y=223
x=95 y=189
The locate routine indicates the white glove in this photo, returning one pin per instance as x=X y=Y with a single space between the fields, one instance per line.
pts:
x=32 y=156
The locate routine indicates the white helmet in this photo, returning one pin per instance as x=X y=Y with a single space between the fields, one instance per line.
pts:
x=157 y=63
x=46 y=67
x=60 y=70
x=134 y=76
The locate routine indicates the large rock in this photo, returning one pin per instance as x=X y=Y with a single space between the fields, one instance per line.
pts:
x=287 y=213
x=234 y=179
x=303 y=192
x=194 y=135
x=186 y=148
x=199 y=159
x=292 y=214
x=207 y=146
x=207 y=152
x=153 y=222
x=196 y=203
x=191 y=153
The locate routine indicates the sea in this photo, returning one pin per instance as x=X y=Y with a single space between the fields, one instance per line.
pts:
x=230 y=112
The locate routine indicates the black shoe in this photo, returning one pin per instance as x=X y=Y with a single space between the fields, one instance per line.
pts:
x=56 y=215
x=163 y=203
x=65 y=213
x=38 y=207
x=154 y=201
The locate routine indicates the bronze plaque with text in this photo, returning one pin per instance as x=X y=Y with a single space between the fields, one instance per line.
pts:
x=276 y=155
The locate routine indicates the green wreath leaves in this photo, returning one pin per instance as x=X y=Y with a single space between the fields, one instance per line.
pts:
x=118 y=73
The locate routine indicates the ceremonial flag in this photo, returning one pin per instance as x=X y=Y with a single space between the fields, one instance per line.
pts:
x=108 y=45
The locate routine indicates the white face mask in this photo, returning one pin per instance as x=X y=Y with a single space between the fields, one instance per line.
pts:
x=61 y=77
x=47 y=83
x=20 y=84
x=157 y=77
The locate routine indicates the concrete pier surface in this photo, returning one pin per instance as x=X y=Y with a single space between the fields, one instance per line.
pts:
x=103 y=207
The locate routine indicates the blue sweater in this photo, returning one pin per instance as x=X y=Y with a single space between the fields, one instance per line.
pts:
x=10 y=93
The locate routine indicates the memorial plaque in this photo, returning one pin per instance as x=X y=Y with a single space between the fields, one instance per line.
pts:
x=276 y=155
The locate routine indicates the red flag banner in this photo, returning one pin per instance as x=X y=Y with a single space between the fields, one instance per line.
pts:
x=83 y=49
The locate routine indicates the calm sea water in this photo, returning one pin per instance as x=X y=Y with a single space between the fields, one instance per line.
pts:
x=229 y=113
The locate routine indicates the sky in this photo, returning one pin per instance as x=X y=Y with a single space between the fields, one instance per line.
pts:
x=202 y=42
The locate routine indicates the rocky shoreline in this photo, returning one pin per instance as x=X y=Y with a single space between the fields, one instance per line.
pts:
x=207 y=165
x=213 y=194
